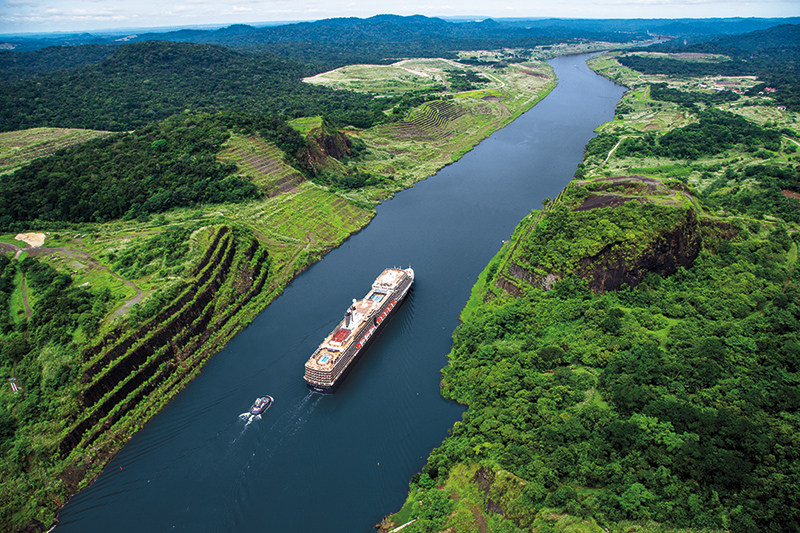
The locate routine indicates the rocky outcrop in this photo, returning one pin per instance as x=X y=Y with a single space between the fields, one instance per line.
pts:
x=617 y=263
x=611 y=268
x=531 y=279
x=322 y=144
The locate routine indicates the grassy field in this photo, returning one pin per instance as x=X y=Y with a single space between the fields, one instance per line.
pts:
x=18 y=148
x=398 y=78
x=262 y=162
x=637 y=113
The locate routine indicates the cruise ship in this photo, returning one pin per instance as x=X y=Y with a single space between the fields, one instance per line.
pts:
x=343 y=347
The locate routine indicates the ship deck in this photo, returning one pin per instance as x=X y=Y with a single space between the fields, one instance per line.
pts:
x=336 y=343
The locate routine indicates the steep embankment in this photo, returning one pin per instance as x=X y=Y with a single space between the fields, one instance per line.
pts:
x=121 y=370
x=654 y=228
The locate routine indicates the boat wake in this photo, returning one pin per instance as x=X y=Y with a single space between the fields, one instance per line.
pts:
x=248 y=419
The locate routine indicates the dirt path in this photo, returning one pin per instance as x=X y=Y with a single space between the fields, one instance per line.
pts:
x=8 y=247
x=611 y=152
x=83 y=256
x=28 y=311
x=783 y=156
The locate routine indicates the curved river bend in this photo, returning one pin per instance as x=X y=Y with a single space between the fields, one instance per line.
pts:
x=341 y=462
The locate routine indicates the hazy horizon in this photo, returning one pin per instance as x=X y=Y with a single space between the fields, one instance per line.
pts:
x=77 y=16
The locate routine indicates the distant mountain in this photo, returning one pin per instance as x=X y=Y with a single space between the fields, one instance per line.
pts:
x=671 y=27
x=18 y=65
x=144 y=82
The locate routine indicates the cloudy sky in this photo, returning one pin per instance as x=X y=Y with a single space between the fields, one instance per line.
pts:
x=17 y=16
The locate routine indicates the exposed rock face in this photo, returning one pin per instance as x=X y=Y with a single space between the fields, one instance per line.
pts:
x=322 y=144
x=614 y=265
x=609 y=269
x=534 y=280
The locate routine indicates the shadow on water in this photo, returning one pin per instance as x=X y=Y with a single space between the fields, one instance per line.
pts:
x=340 y=462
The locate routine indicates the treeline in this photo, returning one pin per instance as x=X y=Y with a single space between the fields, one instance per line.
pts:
x=39 y=351
x=714 y=133
x=669 y=402
x=145 y=82
x=465 y=80
x=756 y=191
x=660 y=91
x=153 y=169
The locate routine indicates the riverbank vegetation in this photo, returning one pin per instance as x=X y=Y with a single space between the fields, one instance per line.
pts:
x=629 y=359
x=212 y=177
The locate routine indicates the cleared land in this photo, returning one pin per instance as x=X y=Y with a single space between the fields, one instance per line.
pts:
x=442 y=129
x=18 y=148
x=638 y=113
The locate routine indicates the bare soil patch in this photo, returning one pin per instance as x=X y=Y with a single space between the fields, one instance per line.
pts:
x=532 y=73
x=791 y=194
x=34 y=240
x=596 y=201
x=479 y=519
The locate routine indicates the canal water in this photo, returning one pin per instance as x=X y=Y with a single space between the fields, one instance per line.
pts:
x=340 y=462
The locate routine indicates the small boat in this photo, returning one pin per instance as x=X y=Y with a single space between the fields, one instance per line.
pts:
x=261 y=404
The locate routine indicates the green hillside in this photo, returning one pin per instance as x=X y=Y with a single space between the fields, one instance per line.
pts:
x=629 y=359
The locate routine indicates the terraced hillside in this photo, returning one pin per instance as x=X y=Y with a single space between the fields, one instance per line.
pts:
x=439 y=131
x=262 y=163
x=433 y=120
x=127 y=377
x=18 y=148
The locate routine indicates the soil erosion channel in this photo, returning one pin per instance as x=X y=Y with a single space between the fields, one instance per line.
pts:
x=341 y=462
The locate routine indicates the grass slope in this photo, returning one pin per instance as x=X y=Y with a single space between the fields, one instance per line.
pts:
x=18 y=148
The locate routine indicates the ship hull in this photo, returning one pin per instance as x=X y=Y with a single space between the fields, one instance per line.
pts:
x=359 y=354
x=344 y=347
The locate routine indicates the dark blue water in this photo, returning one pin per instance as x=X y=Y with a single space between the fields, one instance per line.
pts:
x=340 y=463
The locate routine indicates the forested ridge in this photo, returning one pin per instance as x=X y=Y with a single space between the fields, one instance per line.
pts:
x=159 y=167
x=145 y=82
x=630 y=359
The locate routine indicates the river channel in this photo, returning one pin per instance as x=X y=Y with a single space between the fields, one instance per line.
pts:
x=339 y=463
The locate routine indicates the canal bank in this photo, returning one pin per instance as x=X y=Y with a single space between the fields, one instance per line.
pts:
x=343 y=461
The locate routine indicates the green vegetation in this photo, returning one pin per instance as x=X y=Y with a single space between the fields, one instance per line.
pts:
x=165 y=241
x=144 y=82
x=629 y=358
x=769 y=54
x=18 y=148
x=637 y=373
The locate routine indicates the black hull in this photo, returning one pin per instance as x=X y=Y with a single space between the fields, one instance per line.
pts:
x=360 y=353
x=256 y=412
